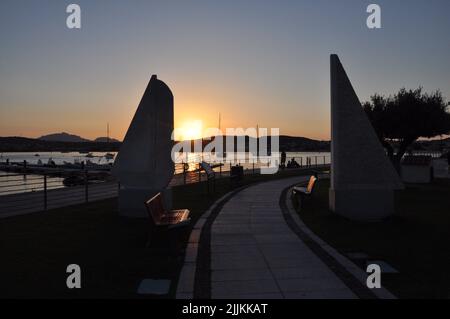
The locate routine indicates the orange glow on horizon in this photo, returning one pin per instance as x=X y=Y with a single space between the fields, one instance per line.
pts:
x=189 y=130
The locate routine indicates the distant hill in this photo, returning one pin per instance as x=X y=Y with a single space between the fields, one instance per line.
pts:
x=106 y=140
x=302 y=144
x=22 y=144
x=62 y=137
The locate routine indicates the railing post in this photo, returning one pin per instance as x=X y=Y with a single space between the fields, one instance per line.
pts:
x=253 y=167
x=199 y=173
x=220 y=170
x=86 y=188
x=45 y=191
x=184 y=173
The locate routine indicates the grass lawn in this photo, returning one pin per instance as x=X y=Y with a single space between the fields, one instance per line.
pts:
x=36 y=248
x=415 y=240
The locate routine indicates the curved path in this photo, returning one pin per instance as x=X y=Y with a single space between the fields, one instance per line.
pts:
x=251 y=244
x=255 y=254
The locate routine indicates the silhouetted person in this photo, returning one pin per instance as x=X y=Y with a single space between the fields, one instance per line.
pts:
x=294 y=163
x=289 y=164
x=283 y=158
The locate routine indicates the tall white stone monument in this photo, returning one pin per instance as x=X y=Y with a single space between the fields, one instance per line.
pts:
x=144 y=165
x=363 y=179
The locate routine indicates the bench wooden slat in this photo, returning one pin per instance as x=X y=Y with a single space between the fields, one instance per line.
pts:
x=308 y=190
x=161 y=217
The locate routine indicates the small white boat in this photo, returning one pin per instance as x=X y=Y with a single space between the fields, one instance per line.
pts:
x=109 y=156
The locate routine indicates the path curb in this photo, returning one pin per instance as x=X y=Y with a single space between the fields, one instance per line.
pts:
x=186 y=281
x=346 y=263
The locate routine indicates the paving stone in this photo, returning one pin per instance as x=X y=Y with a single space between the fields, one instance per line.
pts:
x=233 y=248
x=300 y=272
x=236 y=262
x=241 y=274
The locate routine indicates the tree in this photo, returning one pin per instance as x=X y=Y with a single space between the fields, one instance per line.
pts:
x=402 y=119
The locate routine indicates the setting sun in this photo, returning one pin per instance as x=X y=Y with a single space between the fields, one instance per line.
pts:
x=190 y=130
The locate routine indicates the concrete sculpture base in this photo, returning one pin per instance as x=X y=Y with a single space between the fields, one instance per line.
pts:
x=362 y=204
x=131 y=201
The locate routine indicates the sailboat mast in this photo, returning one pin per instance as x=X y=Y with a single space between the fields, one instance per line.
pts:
x=257 y=142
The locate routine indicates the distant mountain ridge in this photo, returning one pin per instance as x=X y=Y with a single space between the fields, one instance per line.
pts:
x=62 y=137
x=72 y=138
x=75 y=143
x=23 y=144
x=105 y=139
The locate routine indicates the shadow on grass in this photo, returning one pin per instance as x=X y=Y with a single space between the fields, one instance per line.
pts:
x=414 y=241
x=110 y=250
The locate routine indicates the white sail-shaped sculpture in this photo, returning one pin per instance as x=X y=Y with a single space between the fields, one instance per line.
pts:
x=144 y=165
x=363 y=178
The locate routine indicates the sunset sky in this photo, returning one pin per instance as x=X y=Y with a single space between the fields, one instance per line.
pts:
x=254 y=61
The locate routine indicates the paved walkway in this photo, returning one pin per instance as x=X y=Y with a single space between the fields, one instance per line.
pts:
x=254 y=253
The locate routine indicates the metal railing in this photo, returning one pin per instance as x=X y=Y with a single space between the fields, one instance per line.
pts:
x=25 y=193
x=191 y=172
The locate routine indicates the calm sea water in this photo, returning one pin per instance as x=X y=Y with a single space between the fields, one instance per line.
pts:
x=11 y=183
x=14 y=183
x=58 y=157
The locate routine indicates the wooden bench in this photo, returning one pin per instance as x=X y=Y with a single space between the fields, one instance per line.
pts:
x=307 y=191
x=162 y=219
x=210 y=174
